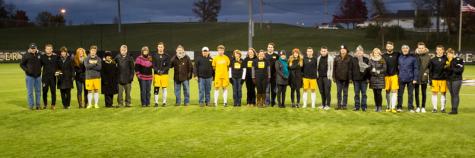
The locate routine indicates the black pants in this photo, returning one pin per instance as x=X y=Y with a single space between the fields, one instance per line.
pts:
x=324 y=86
x=271 y=92
x=454 y=89
x=281 y=89
x=378 y=97
x=49 y=84
x=295 y=94
x=251 y=91
x=410 y=89
x=342 y=92
x=261 y=85
x=66 y=97
x=423 y=88
x=109 y=99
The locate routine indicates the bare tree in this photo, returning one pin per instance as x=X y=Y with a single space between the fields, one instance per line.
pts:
x=207 y=10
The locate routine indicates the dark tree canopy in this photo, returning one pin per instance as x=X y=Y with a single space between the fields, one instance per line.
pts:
x=207 y=10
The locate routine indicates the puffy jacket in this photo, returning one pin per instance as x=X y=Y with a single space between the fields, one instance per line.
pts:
x=423 y=62
x=125 y=67
x=408 y=68
x=455 y=69
x=377 y=71
x=31 y=64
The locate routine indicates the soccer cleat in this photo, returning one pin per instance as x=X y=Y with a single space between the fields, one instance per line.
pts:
x=393 y=110
x=442 y=111
x=89 y=106
x=96 y=106
x=388 y=110
x=156 y=104
x=434 y=110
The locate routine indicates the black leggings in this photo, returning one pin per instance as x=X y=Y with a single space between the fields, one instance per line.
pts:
x=251 y=91
x=261 y=85
x=281 y=89
x=49 y=84
x=295 y=92
x=378 y=97
x=423 y=93
x=65 y=97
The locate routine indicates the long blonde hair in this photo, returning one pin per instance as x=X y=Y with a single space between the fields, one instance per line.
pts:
x=299 y=57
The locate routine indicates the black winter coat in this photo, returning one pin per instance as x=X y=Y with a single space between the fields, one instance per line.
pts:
x=109 y=73
x=377 y=70
x=126 y=68
x=296 y=75
x=65 y=80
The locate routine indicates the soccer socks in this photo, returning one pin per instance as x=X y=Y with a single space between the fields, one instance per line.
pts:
x=164 y=95
x=304 y=99
x=96 y=99
x=156 y=90
x=393 y=100
x=225 y=95
x=89 y=99
x=156 y=98
x=434 y=101
x=442 y=101
x=216 y=95
x=314 y=97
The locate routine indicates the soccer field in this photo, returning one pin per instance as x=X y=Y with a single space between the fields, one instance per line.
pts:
x=228 y=132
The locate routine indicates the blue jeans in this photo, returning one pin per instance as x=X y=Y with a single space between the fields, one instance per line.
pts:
x=204 y=85
x=342 y=92
x=33 y=85
x=186 y=91
x=145 y=86
x=360 y=87
x=237 y=91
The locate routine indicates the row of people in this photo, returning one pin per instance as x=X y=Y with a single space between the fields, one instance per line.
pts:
x=265 y=73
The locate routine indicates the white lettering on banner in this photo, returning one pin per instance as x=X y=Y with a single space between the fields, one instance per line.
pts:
x=468 y=58
x=13 y=56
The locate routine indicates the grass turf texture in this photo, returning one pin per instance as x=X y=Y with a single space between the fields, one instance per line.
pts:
x=227 y=132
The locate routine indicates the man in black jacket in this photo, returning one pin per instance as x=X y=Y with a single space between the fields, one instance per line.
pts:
x=49 y=62
x=360 y=72
x=161 y=65
x=31 y=65
x=126 y=67
x=271 y=91
x=204 y=74
x=438 y=78
x=342 y=76
x=454 y=70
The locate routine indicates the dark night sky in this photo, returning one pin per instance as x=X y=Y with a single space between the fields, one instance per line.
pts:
x=310 y=12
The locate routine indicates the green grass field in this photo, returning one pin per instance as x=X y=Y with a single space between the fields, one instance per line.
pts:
x=227 y=132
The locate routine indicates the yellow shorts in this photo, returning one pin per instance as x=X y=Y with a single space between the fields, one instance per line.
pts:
x=439 y=86
x=309 y=84
x=93 y=84
x=221 y=82
x=160 y=81
x=391 y=82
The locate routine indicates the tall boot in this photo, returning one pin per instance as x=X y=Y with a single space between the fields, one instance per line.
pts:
x=80 y=101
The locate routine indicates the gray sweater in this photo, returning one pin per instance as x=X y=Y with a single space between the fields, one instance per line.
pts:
x=93 y=71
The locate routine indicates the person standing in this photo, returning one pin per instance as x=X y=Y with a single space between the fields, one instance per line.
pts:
x=125 y=76
x=237 y=73
x=360 y=75
x=221 y=64
x=144 y=71
x=93 y=66
x=309 y=77
x=31 y=65
x=438 y=78
x=408 y=74
x=454 y=70
x=261 y=76
x=161 y=65
x=204 y=74
x=80 y=76
x=325 y=76
x=376 y=81
x=65 y=75
x=250 y=86
x=49 y=62
x=342 y=76
x=183 y=67
x=272 y=57
x=109 y=75
x=282 y=77
x=295 y=76
x=391 y=80
x=420 y=87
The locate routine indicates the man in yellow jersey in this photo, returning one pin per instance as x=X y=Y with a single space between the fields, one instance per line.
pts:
x=391 y=78
x=221 y=78
x=161 y=65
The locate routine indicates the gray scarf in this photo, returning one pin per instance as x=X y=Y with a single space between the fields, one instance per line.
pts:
x=362 y=64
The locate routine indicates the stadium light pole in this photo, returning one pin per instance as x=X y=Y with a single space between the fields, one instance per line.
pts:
x=119 y=16
x=251 y=25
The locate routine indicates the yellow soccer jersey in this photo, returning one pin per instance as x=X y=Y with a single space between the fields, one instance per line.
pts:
x=221 y=65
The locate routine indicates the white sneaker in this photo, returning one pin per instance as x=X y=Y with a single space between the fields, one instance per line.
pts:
x=321 y=107
x=326 y=108
x=418 y=110
x=411 y=111
x=423 y=110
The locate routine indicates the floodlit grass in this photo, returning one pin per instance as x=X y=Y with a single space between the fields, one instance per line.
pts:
x=227 y=132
